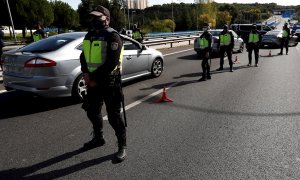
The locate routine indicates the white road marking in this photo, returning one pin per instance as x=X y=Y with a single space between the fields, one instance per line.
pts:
x=2 y=91
x=177 y=52
x=129 y=106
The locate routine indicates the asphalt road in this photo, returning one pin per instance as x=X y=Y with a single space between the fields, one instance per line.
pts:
x=240 y=125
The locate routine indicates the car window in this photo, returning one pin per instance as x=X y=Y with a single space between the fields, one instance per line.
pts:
x=245 y=27
x=215 y=33
x=128 y=45
x=46 y=45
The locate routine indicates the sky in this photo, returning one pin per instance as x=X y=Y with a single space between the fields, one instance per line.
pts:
x=74 y=3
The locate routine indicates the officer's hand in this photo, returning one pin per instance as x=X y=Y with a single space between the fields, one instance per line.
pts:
x=92 y=83
x=206 y=54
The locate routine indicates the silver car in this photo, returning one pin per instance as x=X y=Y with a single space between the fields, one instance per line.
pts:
x=273 y=39
x=51 y=67
x=238 y=42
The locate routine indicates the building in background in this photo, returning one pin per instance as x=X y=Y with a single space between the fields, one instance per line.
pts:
x=137 y=4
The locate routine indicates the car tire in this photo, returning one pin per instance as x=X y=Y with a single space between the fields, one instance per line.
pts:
x=79 y=87
x=241 y=48
x=157 y=67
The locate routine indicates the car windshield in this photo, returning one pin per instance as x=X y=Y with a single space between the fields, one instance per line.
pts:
x=273 y=32
x=215 y=33
x=47 y=45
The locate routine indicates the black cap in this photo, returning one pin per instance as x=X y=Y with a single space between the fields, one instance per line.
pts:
x=225 y=26
x=99 y=11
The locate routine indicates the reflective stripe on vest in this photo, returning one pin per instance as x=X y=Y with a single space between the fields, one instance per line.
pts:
x=118 y=69
x=285 y=34
x=37 y=37
x=95 y=53
x=203 y=43
x=136 y=35
x=225 y=39
x=253 y=38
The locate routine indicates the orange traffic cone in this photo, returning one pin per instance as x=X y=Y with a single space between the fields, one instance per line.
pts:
x=236 y=60
x=164 y=97
x=270 y=53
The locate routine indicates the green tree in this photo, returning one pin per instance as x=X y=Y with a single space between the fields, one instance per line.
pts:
x=64 y=15
x=86 y=6
x=223 y=17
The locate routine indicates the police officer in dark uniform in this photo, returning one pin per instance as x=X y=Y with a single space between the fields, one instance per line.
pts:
x=137 y=34
x=100 y=64
x=1 y=45
x=253 y=43
x=285 y=39
x=205 y=46
x=226 y=44
x=39 y=33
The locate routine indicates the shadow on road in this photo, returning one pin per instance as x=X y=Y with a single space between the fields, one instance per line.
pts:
x=230 y=113
x=15 y=103
x=24 y=173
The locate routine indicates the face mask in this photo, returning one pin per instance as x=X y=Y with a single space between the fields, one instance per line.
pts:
x=98 y=24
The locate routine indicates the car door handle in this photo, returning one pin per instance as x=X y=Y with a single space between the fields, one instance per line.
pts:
x=128 y=57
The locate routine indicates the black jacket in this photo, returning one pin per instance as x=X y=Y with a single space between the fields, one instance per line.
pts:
x=253 y=32
x=113 y=55
x=1 y=39
x=208 y=37
x=231 y=45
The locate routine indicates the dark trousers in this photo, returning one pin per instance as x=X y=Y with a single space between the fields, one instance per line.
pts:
x=284 y=43
x=109 y=93
x=256 y=53
x=228 y=51
x=0 y=57
x=205 y=64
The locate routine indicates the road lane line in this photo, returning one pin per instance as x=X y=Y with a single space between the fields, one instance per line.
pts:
x=177 y=52
x=129 y=106
x=2 y=91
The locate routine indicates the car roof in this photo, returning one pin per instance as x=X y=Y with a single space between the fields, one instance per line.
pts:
x=72 y=35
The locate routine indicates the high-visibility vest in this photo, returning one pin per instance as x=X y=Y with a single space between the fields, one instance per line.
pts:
x=285 y=34
x=136 y=35
x=225 y=39
x=253 y=38
x=203 y=43
x=95 y=53
x=37 y=37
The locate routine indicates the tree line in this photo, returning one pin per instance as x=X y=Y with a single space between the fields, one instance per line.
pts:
x=158 y=18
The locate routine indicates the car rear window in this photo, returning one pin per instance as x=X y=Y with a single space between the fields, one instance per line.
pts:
x=46 y=45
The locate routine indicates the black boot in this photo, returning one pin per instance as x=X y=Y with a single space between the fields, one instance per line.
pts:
x=95 y=142
x=208 y=76
x=220 y=69
x=231 y=69
x=121 y=154
x=203 y=78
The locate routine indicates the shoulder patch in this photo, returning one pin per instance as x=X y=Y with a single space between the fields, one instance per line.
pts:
x=114 y=46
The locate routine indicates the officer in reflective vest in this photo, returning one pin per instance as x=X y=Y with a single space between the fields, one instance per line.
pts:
x=39 y=33
x=285 y=39
x=101 y=64
x=253 y=43
x=226 y=44
x=205 y=46
x=137 y=34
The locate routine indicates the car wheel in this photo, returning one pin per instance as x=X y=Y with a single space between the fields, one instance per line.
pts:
x=157 y=67
x=79 y=87
x=241 y=48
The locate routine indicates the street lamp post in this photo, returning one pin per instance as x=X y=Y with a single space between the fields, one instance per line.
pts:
x=11 y=20
x=128 y=14
x=172 y=18
x=132 y=16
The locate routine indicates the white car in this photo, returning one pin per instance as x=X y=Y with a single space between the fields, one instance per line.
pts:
x=238 y=42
